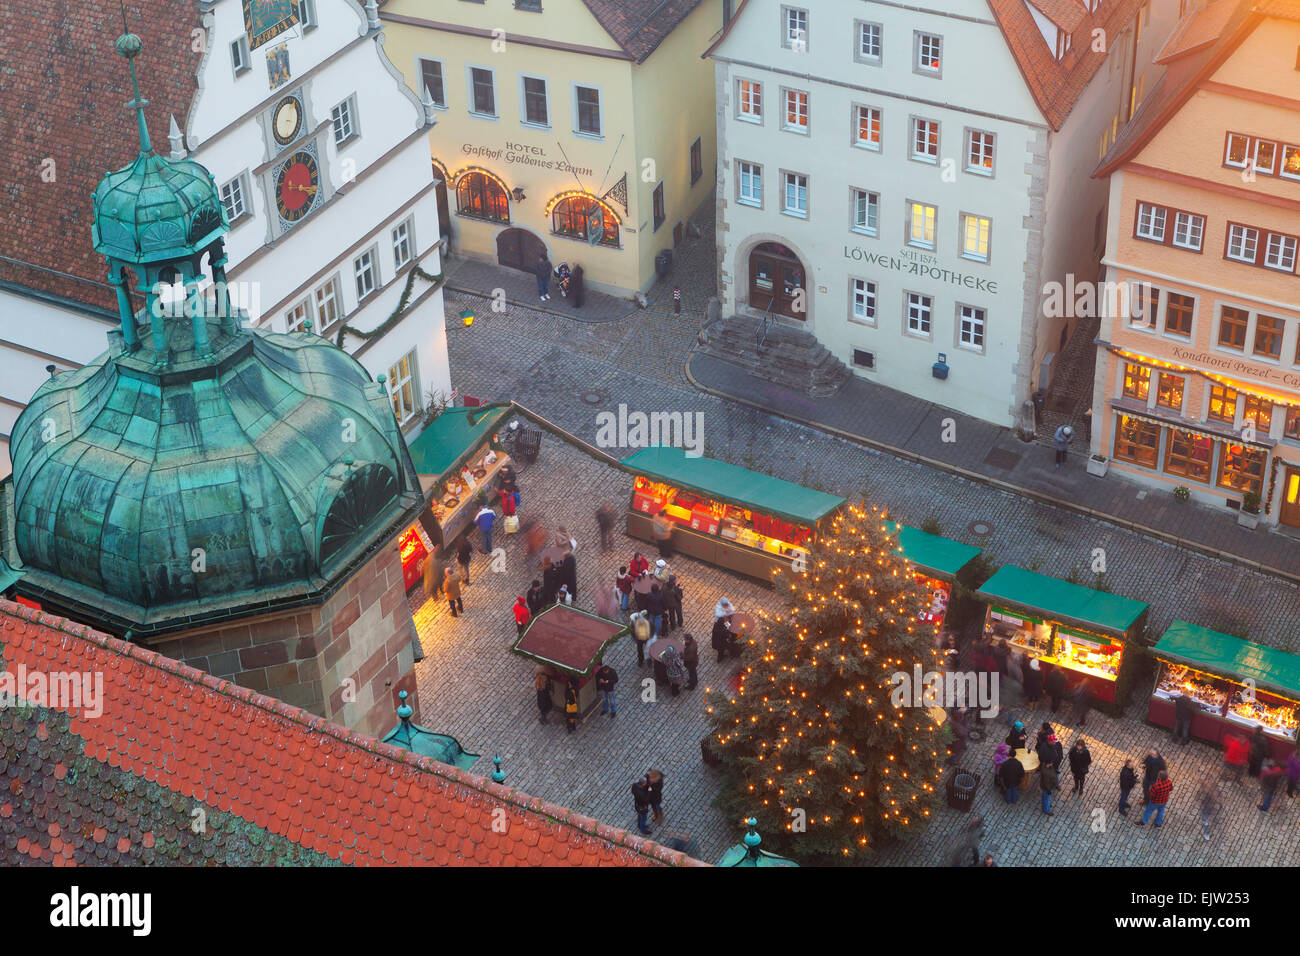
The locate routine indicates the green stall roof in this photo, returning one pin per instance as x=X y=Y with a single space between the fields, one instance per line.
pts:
x=1204 y=649
x=1061 y=600
x=933 y=553
x=717 y=479
x=450 y=437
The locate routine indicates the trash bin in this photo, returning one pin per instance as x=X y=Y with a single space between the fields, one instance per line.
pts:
x=663 y=262
x=961 y=789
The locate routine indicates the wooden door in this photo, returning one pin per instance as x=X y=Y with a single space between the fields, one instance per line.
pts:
x=775 y=281
x=519 y=249
x=1290 y=513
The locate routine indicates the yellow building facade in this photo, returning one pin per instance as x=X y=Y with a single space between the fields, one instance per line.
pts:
x=581 y=120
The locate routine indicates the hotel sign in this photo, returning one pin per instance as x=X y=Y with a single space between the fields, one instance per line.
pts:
x=911 y=262
x=520 y=154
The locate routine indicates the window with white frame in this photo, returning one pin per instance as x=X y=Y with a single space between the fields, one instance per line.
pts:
x=866 y=131
x=796 y=111
x=344 y=119
x=1243 y=243
x=586 y=101
x=536 y=109
x=929 y=47
x=975 y=232
x=920 y=224
x=307 y=14
x=970 y=327
x=431 y=79
x=1290 y=168
x=925 y=140
x=919 y=311
x=326 y=299
x=749 y=101
x=869 y=45
x=863 y=294
x=404 y=388
x=979 y=152
x=866 y=212
x=1280 y=252
x=749 y=183
x=1189 y=230
x=796 y=195
x=367 y=275
x=483 y=94
x=1238 y=151
x=1265 y=156
x=232 y=198
x=1151 y=222
x=403 y=246
x=240 y=59
x=295 y=319
x=794 y=29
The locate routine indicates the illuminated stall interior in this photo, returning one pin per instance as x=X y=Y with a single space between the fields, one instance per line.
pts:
x=937 y=561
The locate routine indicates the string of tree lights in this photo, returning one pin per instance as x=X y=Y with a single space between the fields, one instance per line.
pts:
x=812 y=745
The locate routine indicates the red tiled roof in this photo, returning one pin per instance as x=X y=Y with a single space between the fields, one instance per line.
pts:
x=1066 y=14
x=288 y=786
x=1196 y=30
x=1057 y=85
x=1182 y=76
x=63 y=95
x=639 y=26
x=726 y=31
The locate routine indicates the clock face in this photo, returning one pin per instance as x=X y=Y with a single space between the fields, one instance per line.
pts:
x=296 y=186
x=287 y=120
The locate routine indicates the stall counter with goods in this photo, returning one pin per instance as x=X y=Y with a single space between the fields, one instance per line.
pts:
x=724 y=514
x=1234 y=685
x=937 y=560
x=1078 y=629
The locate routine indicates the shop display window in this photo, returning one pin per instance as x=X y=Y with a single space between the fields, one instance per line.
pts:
x=736 y=523
x=1026 y=633
x=1189 y=455
x=1087 y=653
x=1242 y=468
x=939 y=593
x=1137 y=441
x=1229 y=699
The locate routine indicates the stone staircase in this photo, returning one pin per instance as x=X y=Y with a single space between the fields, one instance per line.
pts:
x=788 y=357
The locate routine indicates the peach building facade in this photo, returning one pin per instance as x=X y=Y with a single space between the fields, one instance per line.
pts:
x=1198 y=365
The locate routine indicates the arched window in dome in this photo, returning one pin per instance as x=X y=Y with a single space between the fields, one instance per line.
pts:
x=571 y=215
x=364 y=497
x=481 y=196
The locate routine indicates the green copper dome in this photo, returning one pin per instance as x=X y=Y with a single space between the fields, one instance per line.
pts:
x=157 y=208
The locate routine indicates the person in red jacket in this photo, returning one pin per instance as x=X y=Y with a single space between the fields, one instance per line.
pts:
x=1270 y=780
x=638 y=565
x=522 y=614
x=1236 y=751
x=509 y=502
x=624 y=584
x=1159 y=797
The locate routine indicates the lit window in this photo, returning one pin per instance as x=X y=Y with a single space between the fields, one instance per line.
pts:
x=796 y=111
x=864 y=300
x=1290 y=168
x=1189 y=454
x=867 y=133
x=1265 y=156
x=866 y=210
x=921 y=218
x=575 y=216
x=403 y=388
x=919 y=309
x=363 y=266
x=402 y=251
x=1169 y=391
x=928 y=48
x=979 y=152
x=925 y=140
x=970 y=327
x=750 y=179
x=1257 y=410
x=1137 y=381
x=796 y=194
x=1238 y=151
x=296 y=318
x=1188 y=230
x=750 y=100
x=1241 y=468
x=479 y=196
x=975 y=237
x=1137 y=441
x=1243 y=243
x=1223 y=404
x=327 y=304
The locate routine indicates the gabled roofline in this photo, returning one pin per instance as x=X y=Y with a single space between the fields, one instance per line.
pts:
x=726 y=31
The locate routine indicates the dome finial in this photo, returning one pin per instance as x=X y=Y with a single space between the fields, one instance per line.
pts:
x=128 y=46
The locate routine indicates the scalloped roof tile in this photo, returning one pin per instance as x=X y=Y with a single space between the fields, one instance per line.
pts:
x=102 y=797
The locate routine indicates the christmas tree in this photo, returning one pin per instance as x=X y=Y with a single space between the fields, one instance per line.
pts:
x=812 y=744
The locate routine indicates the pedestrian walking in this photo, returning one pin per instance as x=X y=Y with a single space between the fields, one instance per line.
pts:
x=641 y=804
x=1270 y=779
x=607 y=602
x=605 y=523
x=1152 y=766
x=534 y=597
x=1157 y=799
x=1031 y=679
x=1258 y=751
x=522 y=614
x=1064 y=435
x=1080 y=761
x=640 y=634
x=542 y=269
x=691 y=658
x=654 y=784
x=606 y=678
x=675 y=668
x=1209 y=804
x=571 y=705
x=464 y=555
x=655 y=606
x=966 y=847
x=1054 y=684
x=569 y=573
x=1235 y=754
x=534 y=541
x=1013 y=772
x=999 y=758
x=672 y=604
x=485 y=519
x=960 y=732
x=433 y=574
x=1001 y=656
x=1018 y=738
x=564 y=540
x=1048 y=781
x=451 y=588
x=1128 y=779
x=663 y=532
x=1184 y=708
x=542 y=683
x=1081 y=697
x=1292 y=773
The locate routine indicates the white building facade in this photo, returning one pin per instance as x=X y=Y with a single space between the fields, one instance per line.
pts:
x=891 y=181
x=319 y=149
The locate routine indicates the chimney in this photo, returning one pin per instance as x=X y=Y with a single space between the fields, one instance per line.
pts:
x=726 y=13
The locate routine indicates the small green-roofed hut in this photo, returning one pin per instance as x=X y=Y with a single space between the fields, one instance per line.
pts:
x=937 y=556
x=448 y=440
x=1062 y=601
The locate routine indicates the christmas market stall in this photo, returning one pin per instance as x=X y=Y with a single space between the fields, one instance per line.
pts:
x=1083 y=631
x=1233 y=685
x=569 y=643
x=724 y=514
x=457 y=458
x=937 y=561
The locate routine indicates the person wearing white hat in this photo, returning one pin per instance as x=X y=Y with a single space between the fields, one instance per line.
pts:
x=1064 y=435
x=724 y=608
x=723 y=641
x=661 y=570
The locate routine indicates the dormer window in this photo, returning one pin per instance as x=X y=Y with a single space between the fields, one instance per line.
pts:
x=1062 y=44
